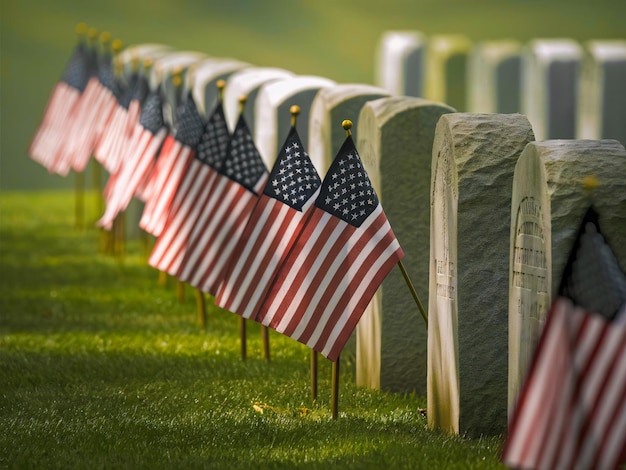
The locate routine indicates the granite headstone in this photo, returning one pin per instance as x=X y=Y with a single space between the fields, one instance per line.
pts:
x=400 y=63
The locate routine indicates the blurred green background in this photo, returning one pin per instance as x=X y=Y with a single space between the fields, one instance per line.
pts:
x=334 y=39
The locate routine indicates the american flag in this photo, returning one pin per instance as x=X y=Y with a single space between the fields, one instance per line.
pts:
x=344 y=252
x=175 y=157
x=571 y=410
x=93 y=112
x=66 y=94
x=276 y=221
x=242 y=177
x=143 y=150
x=191 y=196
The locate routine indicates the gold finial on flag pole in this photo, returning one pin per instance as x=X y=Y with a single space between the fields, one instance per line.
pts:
x=294 y=110
x=92 y=34
x=147 y=64
x=116 y=46
x=81 y=29
x=590 y=182
x=220 y=84
x=242 y=103
x=105 y=37
x=177 y=80
x=347 y=125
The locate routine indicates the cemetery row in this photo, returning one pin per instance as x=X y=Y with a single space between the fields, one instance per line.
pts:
x=485 y=213
x=566 y=89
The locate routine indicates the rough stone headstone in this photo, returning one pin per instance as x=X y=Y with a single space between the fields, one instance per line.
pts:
x=400 y=63
x=395 y=140
x=272 y=119
x=602 y=105
x=474 y=157
x=206 y=73
x=550 y=87
x=329 y=108
x=446 y=70
x=548 y=202
x=494 y=84
x=247 y=82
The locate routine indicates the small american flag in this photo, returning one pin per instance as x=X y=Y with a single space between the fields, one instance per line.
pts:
x=177 y=155
x=571 y=410
x=143 y=150
x=242 y=176
x=344 y=252
x=195 y=187
x=277 y=219
x=63 y=100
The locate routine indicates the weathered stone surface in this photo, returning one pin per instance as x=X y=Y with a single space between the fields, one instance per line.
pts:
x=474 y=156
x=494 y=84
x=550 y=87
x=272 y=119
x=602 y=105
x=206 y=73
x=329 y=108
x=547 y=204
x=400 y=63
x=247 y=82
x=446 y=70
x=395 y=139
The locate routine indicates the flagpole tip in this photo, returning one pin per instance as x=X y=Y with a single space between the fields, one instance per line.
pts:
x=81 y=28
x=116 y=45
x=347 y=125
x=147 y=63
x=242 y=102
x=221 y=84
x=105 y=37
x=177 y=80
x=294 y=110
x=590 y=182
x=92 y=33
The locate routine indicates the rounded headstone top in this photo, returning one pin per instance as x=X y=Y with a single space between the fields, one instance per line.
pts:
x=335 y=94
x=169 y=63
x=606 y=50
x=386 y=108
x=495 y=51
x=550 y=49
x=277 y=92
x=207 y=70
x=447 y=44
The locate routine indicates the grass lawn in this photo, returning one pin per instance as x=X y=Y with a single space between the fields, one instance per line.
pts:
x=100 y=367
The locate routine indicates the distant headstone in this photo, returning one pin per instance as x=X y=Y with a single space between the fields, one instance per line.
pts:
x=602 y=106
x=162 y=73
x=474 y=157
x=400 y=63
x=395 y=140
x=550 y=87
x=495 y=77
x=446 y=70
x=548 y=202
x=272 y=119
x=247 y=82
x=206 y=74
x=329 y=108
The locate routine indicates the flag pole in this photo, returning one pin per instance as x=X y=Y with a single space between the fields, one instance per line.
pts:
x=201 y=307
x=313 y=375
x=334 y=400
x=413 y=292
x=335 y=389
x=242 y=320
x=180 y=291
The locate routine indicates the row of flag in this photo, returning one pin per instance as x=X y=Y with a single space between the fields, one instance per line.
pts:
x=281 y=247
x=304 y=256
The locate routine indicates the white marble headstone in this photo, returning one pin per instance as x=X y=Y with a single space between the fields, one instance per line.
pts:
x=400 y=62
x=395 y=139
x=550 y=77
x=272 y=119
x=602 y=105
x=446 y=70
x=206 y=73
x=474 y=157
x=494 y=72
x=247 y=82
x=329 y=108
x=548 y=202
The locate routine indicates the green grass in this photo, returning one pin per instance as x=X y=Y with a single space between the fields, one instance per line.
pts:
x=102 y=368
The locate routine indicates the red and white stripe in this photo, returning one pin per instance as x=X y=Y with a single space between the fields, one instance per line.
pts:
x=55 y=124
x=195 y=187
x=132 y=175
x=328 y=279
x=270 y=233
x=571 y=411
x=172 y=164
x=216 y=232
